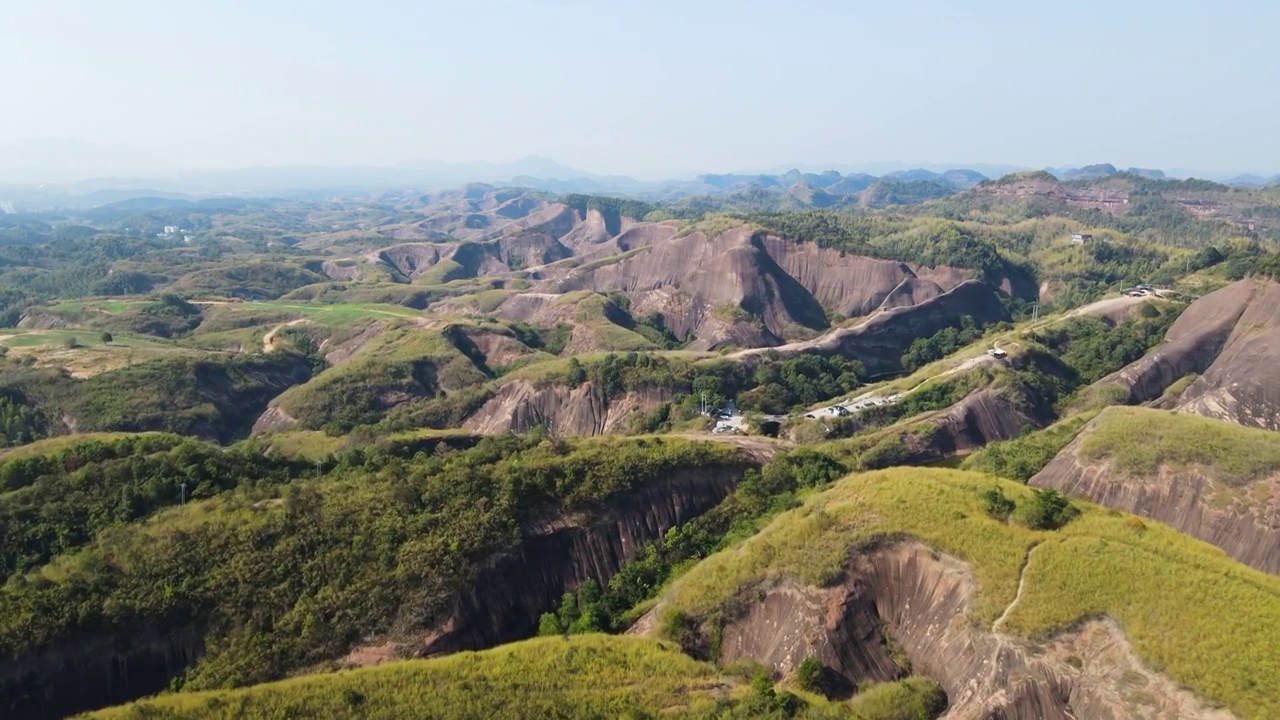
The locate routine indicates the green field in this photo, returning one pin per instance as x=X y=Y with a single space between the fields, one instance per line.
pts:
x=1188 y=609
x=110 y=306
x=49 y=446
x=316 y=445
x=336 y=314
x=19 y=338
x=339 y=314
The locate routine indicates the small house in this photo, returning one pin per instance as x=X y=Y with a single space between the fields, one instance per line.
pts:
x=1081 y=238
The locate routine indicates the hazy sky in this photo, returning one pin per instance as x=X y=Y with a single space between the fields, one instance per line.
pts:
x=650 y=87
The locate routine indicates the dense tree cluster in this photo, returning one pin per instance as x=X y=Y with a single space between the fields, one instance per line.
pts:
x=1093 y=348
x=941 y=344
x=283 y=576
x=774 y=384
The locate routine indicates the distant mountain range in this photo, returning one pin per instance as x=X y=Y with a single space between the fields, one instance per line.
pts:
x=138 y=176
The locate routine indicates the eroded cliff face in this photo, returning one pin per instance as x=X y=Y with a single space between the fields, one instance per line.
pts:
x=1227 y=338
x=520 y=406
x=695 y=280
x=96 y=672
x=1243 y=383
x=981 y=418
x=559 y=553
x=853 y=285
x=1243 y=521
x=921 y=600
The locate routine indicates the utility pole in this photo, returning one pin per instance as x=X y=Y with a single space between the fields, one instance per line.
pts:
x=1035 y=311
x=184 y=492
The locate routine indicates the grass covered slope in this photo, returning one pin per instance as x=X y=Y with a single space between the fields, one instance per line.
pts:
x=400 y=364
x=1189 y=610
x=1139 y=441
x=588 y=677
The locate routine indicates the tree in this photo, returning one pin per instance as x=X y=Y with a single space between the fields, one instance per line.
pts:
x=71 y=343
x=576 y=374
x=106 y=338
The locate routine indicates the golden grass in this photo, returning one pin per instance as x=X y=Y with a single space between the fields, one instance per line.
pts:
x=1188 y=609
x=587 y=676
x=1139 y=441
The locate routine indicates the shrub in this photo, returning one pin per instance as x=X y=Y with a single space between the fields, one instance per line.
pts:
x=809 y=674
x=1045 y=510
x=996 y=504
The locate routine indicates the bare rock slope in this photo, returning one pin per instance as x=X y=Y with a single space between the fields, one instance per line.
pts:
x=879 y=341
x=520 y=406
x=1228 y=337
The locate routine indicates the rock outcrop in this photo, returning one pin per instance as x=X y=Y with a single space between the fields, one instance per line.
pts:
x=920 y=600
x=520 y=406
x=1243 y=383
x=853 y=285
x=1192 y=344
x=273 y=419
x=1227 y=338
x=696 y=281
x=979 y=419
x=97 y=672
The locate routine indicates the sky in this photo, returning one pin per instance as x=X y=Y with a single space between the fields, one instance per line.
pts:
x=650 y=89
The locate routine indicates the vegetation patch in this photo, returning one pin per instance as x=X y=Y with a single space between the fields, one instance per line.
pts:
x=215 y=396
x=1022 y=457
x=399 y=365
x=282 y=577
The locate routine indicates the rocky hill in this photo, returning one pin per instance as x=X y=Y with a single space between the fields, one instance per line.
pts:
x=1207 y=478
x=880 y=340
x=1226 y=339
x=1125 y=193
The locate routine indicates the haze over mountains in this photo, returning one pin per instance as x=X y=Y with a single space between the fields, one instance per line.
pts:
x=46 y=174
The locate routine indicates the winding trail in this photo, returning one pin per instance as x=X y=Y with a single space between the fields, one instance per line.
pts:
x=267 y=340
x=1022 y=580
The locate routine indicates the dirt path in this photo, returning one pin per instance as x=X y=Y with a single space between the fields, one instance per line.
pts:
x=269 y=338
x=1022 y=579
x=758 y=448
